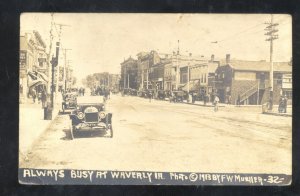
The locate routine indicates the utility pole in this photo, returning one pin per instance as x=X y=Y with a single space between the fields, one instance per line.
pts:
x=48 y=56
x=65 y=69
x=188 y=73
x=128 y=80
x=54 y=63
x=124 y=77
x=148 y=73
x=59 y=38
x=177 y=67
x=143 y=77
x=271 y=36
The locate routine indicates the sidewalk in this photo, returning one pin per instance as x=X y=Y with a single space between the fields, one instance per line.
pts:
x=201 y=103
x=275 y=112
x=32 y=124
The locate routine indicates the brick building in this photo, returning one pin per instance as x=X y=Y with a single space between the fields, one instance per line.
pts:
x=249 y=80
x=150 y=70
x=129 y=74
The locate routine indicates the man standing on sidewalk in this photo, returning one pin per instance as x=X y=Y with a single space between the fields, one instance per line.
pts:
x=284 y=104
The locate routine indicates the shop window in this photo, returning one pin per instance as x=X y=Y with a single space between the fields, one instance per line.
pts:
x=288 y=94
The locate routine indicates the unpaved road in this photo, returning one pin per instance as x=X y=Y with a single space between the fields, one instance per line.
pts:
x=163 y=136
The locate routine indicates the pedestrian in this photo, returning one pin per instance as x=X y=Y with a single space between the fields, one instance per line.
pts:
x=193 y=97
x=39 y=96
x=33 y=94
x=83 y=91
x=171 y=97
x=216 y=103
x=284 y=104
x=205 y=99
x=270 y=104
x=238 y=102
x=150 y=96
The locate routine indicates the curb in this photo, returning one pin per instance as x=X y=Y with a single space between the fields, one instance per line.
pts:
x=211 y=106
x=277 y=114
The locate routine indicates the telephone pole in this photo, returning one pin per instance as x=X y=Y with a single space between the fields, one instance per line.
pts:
x=48 y=56
x=65 y=68
x=177 y=67
x=59 y=38
x=271 y=36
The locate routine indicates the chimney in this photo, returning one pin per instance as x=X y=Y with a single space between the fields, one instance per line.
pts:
x=227 y=58
x=212 y=58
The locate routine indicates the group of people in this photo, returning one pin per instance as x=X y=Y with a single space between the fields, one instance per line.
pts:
x=39 y=95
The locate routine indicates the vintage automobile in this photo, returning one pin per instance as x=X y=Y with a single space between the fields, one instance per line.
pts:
x=178 y=96
x=161 y=94
x=90 y=115
x=69 y=101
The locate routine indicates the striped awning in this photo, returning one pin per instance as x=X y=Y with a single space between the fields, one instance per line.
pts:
x=193 y=86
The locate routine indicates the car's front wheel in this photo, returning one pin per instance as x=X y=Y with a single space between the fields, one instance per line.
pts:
x=110 y=129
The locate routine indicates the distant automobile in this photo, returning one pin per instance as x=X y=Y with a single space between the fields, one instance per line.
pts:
x=161 y=94
x=178 y=96
x=69 y=101
x=90 y=115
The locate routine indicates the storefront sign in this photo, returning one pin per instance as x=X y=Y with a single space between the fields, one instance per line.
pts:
x=22 y=60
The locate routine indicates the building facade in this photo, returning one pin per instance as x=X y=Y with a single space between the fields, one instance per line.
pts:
x=249 y=81
x=33 y=65
x=129 y=74
x=202 y=77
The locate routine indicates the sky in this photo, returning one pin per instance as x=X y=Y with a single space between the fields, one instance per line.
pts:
x=100 y=42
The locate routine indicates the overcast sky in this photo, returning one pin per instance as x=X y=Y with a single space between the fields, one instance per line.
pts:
x=100 y=42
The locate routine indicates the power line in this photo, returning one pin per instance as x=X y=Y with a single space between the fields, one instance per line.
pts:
x=234 y=35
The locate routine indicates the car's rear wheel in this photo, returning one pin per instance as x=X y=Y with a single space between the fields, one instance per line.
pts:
x=71 y=130
x=63 y=109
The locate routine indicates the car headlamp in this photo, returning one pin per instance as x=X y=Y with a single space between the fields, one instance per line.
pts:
x=80 y=115
x=102 y=115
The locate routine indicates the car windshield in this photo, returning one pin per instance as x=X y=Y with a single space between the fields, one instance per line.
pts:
x=90 y=100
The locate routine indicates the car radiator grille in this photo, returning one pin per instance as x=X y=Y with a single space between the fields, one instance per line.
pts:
x=91 y=117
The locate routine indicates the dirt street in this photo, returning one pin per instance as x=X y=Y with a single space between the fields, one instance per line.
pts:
x=163 y=136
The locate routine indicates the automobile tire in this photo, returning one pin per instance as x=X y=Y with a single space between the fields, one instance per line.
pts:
x=111 y=132
x=71 y=131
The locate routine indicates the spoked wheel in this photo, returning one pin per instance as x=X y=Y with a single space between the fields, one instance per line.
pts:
x=71 y=130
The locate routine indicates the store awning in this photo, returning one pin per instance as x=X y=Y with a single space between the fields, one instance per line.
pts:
x=34 y=83
x=43 y=76
x=193 y=86
x=37 y=75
